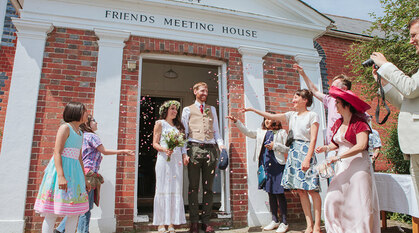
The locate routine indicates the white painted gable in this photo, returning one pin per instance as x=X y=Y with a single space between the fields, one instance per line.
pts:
x=293 y=10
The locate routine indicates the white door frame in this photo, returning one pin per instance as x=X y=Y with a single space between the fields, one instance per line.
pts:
x=223 y=110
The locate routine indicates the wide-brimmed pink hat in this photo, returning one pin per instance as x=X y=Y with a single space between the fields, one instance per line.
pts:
x=349 y=97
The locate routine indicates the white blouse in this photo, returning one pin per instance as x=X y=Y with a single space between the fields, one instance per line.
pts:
x=301 y=124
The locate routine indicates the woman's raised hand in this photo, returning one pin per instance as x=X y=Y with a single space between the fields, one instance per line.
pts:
x=298 y=68
x=247 y=109
x=233 y=118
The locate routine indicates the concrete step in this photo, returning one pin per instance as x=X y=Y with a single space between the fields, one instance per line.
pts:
x=219 y=220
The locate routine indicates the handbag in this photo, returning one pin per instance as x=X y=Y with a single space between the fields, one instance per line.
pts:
x=223 y=161
x=262 y=174
x=261 y=177
x=325 y=169
x=290 y=138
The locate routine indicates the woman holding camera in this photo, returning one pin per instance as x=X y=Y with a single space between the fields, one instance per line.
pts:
x=353 y=181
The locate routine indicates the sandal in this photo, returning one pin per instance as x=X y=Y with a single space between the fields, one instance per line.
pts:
x=171 y=230
x=162 y=230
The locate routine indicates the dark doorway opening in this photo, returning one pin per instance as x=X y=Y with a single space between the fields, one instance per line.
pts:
x=147 y=154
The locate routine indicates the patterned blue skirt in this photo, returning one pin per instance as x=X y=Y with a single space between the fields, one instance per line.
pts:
x=294 y=177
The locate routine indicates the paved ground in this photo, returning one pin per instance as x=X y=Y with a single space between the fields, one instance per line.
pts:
x=392 y=227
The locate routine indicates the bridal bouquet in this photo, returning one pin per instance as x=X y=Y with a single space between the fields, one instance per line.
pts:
x=174 y=139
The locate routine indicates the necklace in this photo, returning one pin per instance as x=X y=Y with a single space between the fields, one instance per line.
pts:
x=75 y=130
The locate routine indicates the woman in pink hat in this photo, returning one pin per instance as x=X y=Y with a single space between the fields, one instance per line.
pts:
x=351 y=203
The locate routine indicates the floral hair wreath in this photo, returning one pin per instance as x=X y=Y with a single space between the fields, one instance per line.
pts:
x=167 y=104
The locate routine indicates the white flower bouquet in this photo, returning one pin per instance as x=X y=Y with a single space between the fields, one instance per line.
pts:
x=174 y=139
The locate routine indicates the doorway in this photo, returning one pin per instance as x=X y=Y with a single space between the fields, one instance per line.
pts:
x=162 y=80
x=146 y=153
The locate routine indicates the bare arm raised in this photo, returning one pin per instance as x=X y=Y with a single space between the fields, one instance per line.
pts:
x=318 y=94
x=277 y=117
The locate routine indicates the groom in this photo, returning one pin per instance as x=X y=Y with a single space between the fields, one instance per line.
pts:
x=202 y=131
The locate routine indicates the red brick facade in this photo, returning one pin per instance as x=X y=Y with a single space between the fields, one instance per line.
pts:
x=7 y=56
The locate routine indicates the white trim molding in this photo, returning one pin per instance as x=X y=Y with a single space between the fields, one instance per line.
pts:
x=20 y=122
x=254 y=92
x=106 y=110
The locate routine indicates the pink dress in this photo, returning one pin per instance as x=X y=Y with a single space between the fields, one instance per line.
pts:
x=351 y=203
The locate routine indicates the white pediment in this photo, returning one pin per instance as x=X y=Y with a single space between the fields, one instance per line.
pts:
x=294 y=10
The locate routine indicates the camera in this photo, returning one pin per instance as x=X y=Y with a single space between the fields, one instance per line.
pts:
x=369 y=63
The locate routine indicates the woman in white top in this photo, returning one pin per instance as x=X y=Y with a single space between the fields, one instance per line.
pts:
x=299 y=173
x=270 y=149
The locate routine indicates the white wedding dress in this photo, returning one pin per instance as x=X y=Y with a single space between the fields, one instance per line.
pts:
x=168 y=200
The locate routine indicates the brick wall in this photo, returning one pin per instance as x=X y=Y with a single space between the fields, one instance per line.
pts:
x=7 y=55
x=281 y=82
x=68 y=74
x=336 y=64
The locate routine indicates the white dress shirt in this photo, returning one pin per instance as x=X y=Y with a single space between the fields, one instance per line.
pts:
x=185 y=120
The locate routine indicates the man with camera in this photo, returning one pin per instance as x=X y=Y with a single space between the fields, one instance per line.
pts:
x=403 y=92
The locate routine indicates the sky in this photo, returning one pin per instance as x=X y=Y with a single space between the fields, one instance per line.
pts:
x=358 y=9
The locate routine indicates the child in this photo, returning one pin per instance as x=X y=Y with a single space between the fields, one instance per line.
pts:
x=168 y=201
x=299 y=173
x=63 y=188
x=92 y=151
x=270 y=149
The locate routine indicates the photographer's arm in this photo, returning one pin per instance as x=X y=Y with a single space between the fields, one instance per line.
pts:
x=407 y=86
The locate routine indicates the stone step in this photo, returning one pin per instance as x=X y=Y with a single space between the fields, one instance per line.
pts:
x=219 y=220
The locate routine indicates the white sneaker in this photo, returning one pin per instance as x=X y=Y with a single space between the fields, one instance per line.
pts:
x=282 y=228
x=271 y=226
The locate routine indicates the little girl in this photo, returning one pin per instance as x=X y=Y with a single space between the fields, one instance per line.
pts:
x=270 y=149
x=92 y=151
x=63 y=188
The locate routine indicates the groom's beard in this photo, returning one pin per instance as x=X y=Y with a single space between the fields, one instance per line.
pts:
x=202 y=98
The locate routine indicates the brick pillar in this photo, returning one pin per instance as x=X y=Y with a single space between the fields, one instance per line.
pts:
x=20 y=120
x=254 y=92
x=106 y=111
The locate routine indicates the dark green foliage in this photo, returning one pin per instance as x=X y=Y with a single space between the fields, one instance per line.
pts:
x=393 y=153
x=394 y=44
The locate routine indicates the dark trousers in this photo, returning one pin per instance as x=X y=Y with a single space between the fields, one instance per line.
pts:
x=274 y=200
x=203 y=159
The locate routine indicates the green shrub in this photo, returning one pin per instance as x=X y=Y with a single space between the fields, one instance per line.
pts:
x=393 y=153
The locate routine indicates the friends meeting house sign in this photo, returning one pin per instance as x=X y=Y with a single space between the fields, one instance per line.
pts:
x=170 y=22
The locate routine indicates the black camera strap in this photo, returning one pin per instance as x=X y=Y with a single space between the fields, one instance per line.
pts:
x=383 y=99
